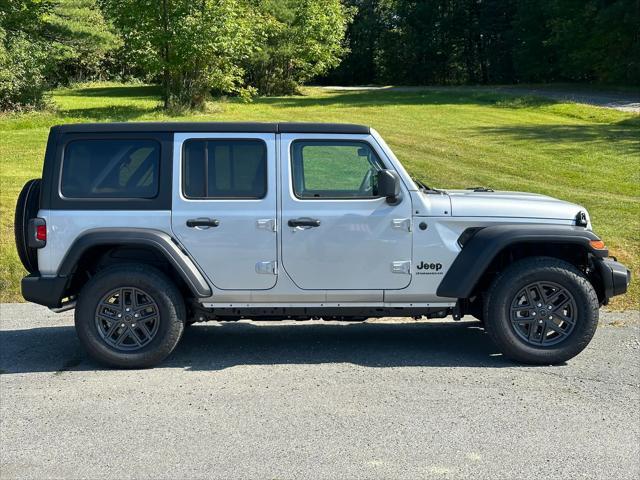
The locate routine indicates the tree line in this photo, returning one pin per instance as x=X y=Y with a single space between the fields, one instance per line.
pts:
x=198 y=48
x=192 y=48
x=491 y=42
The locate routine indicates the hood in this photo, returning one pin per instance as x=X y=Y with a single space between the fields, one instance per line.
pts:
x=467 y=203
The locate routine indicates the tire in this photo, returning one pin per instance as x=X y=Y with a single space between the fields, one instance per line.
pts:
x=27 y=208
x=157 y=299
x=513 y=315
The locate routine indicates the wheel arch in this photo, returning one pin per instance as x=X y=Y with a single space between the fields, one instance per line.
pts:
x=98 y=248
x=490 y=249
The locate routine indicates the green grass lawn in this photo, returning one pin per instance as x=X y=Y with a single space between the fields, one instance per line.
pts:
x=449 y=139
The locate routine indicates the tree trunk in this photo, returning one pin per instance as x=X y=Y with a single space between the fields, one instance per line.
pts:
x=166 y=74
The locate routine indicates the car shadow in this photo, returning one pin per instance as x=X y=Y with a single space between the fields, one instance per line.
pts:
x=222 y=345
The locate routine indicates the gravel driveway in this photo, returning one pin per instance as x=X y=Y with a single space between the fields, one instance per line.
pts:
x=310 y=400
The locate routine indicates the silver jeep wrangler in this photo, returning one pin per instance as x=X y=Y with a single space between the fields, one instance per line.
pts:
x=145 y=228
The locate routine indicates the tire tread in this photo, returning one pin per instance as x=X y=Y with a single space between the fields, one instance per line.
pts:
x=497 y=326
x=169 y=299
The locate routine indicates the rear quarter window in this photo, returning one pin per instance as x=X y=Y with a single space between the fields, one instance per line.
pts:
x=110 y=168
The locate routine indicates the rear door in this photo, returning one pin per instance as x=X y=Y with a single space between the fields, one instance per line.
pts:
x=224 y=206
x=337 y=233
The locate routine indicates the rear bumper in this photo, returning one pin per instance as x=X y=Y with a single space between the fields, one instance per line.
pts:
x=47 y=291
x=615 y=277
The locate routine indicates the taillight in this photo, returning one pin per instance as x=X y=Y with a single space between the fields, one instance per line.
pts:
x=41 y=233
x=37 y=237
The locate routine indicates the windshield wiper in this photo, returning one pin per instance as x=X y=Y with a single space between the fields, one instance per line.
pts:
x=424 y=187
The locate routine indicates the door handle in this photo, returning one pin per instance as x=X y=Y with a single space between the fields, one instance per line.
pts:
x=303 y=222
x=202 y=222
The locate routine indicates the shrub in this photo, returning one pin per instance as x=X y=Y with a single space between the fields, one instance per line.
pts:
x=22 y=73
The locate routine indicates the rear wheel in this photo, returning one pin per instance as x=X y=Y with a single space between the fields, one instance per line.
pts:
x=27 y=208
x=130 y=316
x=541 y=310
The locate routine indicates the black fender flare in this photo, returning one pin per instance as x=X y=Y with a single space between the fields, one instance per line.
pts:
x=481 y=249
x=158 y=240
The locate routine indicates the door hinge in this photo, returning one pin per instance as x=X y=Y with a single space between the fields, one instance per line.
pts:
x=267 y=268
x=401 y=224
x=403 y=266
x=268 y=224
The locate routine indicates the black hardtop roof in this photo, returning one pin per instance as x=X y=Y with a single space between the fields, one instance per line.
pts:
x=213 y=127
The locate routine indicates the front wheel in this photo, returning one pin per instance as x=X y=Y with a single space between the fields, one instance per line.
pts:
x=541 y=310
x=130 y=316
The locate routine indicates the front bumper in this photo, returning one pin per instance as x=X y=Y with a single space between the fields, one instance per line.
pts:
x=614 y=275
x=47 y=291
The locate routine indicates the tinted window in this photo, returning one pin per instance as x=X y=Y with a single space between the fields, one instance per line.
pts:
x=225 y=169
x=111 y=169
x=334 y=169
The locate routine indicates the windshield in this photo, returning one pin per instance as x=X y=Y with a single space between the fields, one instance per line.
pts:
x=420 y=185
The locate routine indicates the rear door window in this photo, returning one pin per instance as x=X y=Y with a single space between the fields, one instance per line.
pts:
x=234 y=169
x=111 y=168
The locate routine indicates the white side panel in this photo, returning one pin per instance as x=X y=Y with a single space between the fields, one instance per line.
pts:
x=65 y=226
x=435 y=249
x=240 y=253
x=358 y=245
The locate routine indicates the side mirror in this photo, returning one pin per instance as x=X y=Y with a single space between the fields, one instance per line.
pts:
x=389 y=186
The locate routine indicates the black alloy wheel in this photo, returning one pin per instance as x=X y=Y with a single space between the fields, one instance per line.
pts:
x=543 y=313
x=127 y=318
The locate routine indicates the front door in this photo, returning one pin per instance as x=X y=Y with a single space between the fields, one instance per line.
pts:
x=224 y=207
x=337 y=233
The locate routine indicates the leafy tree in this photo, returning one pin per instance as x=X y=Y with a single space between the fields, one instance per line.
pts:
x=84 y=45
x=571 y=40
x=419 y=45
x=615 y=42
x=23 y=55
x=298 y=40
x=359 y=65
x=23 y=16
x=22 y=66
x=534 y=57
x=596 y=40
x=493 y=41
x=192 y=46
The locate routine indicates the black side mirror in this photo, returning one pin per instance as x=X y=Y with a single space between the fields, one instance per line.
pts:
x=389 y=186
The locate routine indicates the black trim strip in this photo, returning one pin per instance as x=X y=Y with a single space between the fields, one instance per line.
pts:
x=48 y=184
x=240 y=127
x=327 y=313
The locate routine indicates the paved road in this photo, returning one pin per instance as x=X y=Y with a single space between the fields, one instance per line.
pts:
x=626 y=102
x=317 y=400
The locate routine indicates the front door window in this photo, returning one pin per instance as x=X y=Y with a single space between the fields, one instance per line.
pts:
x=334 y=169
